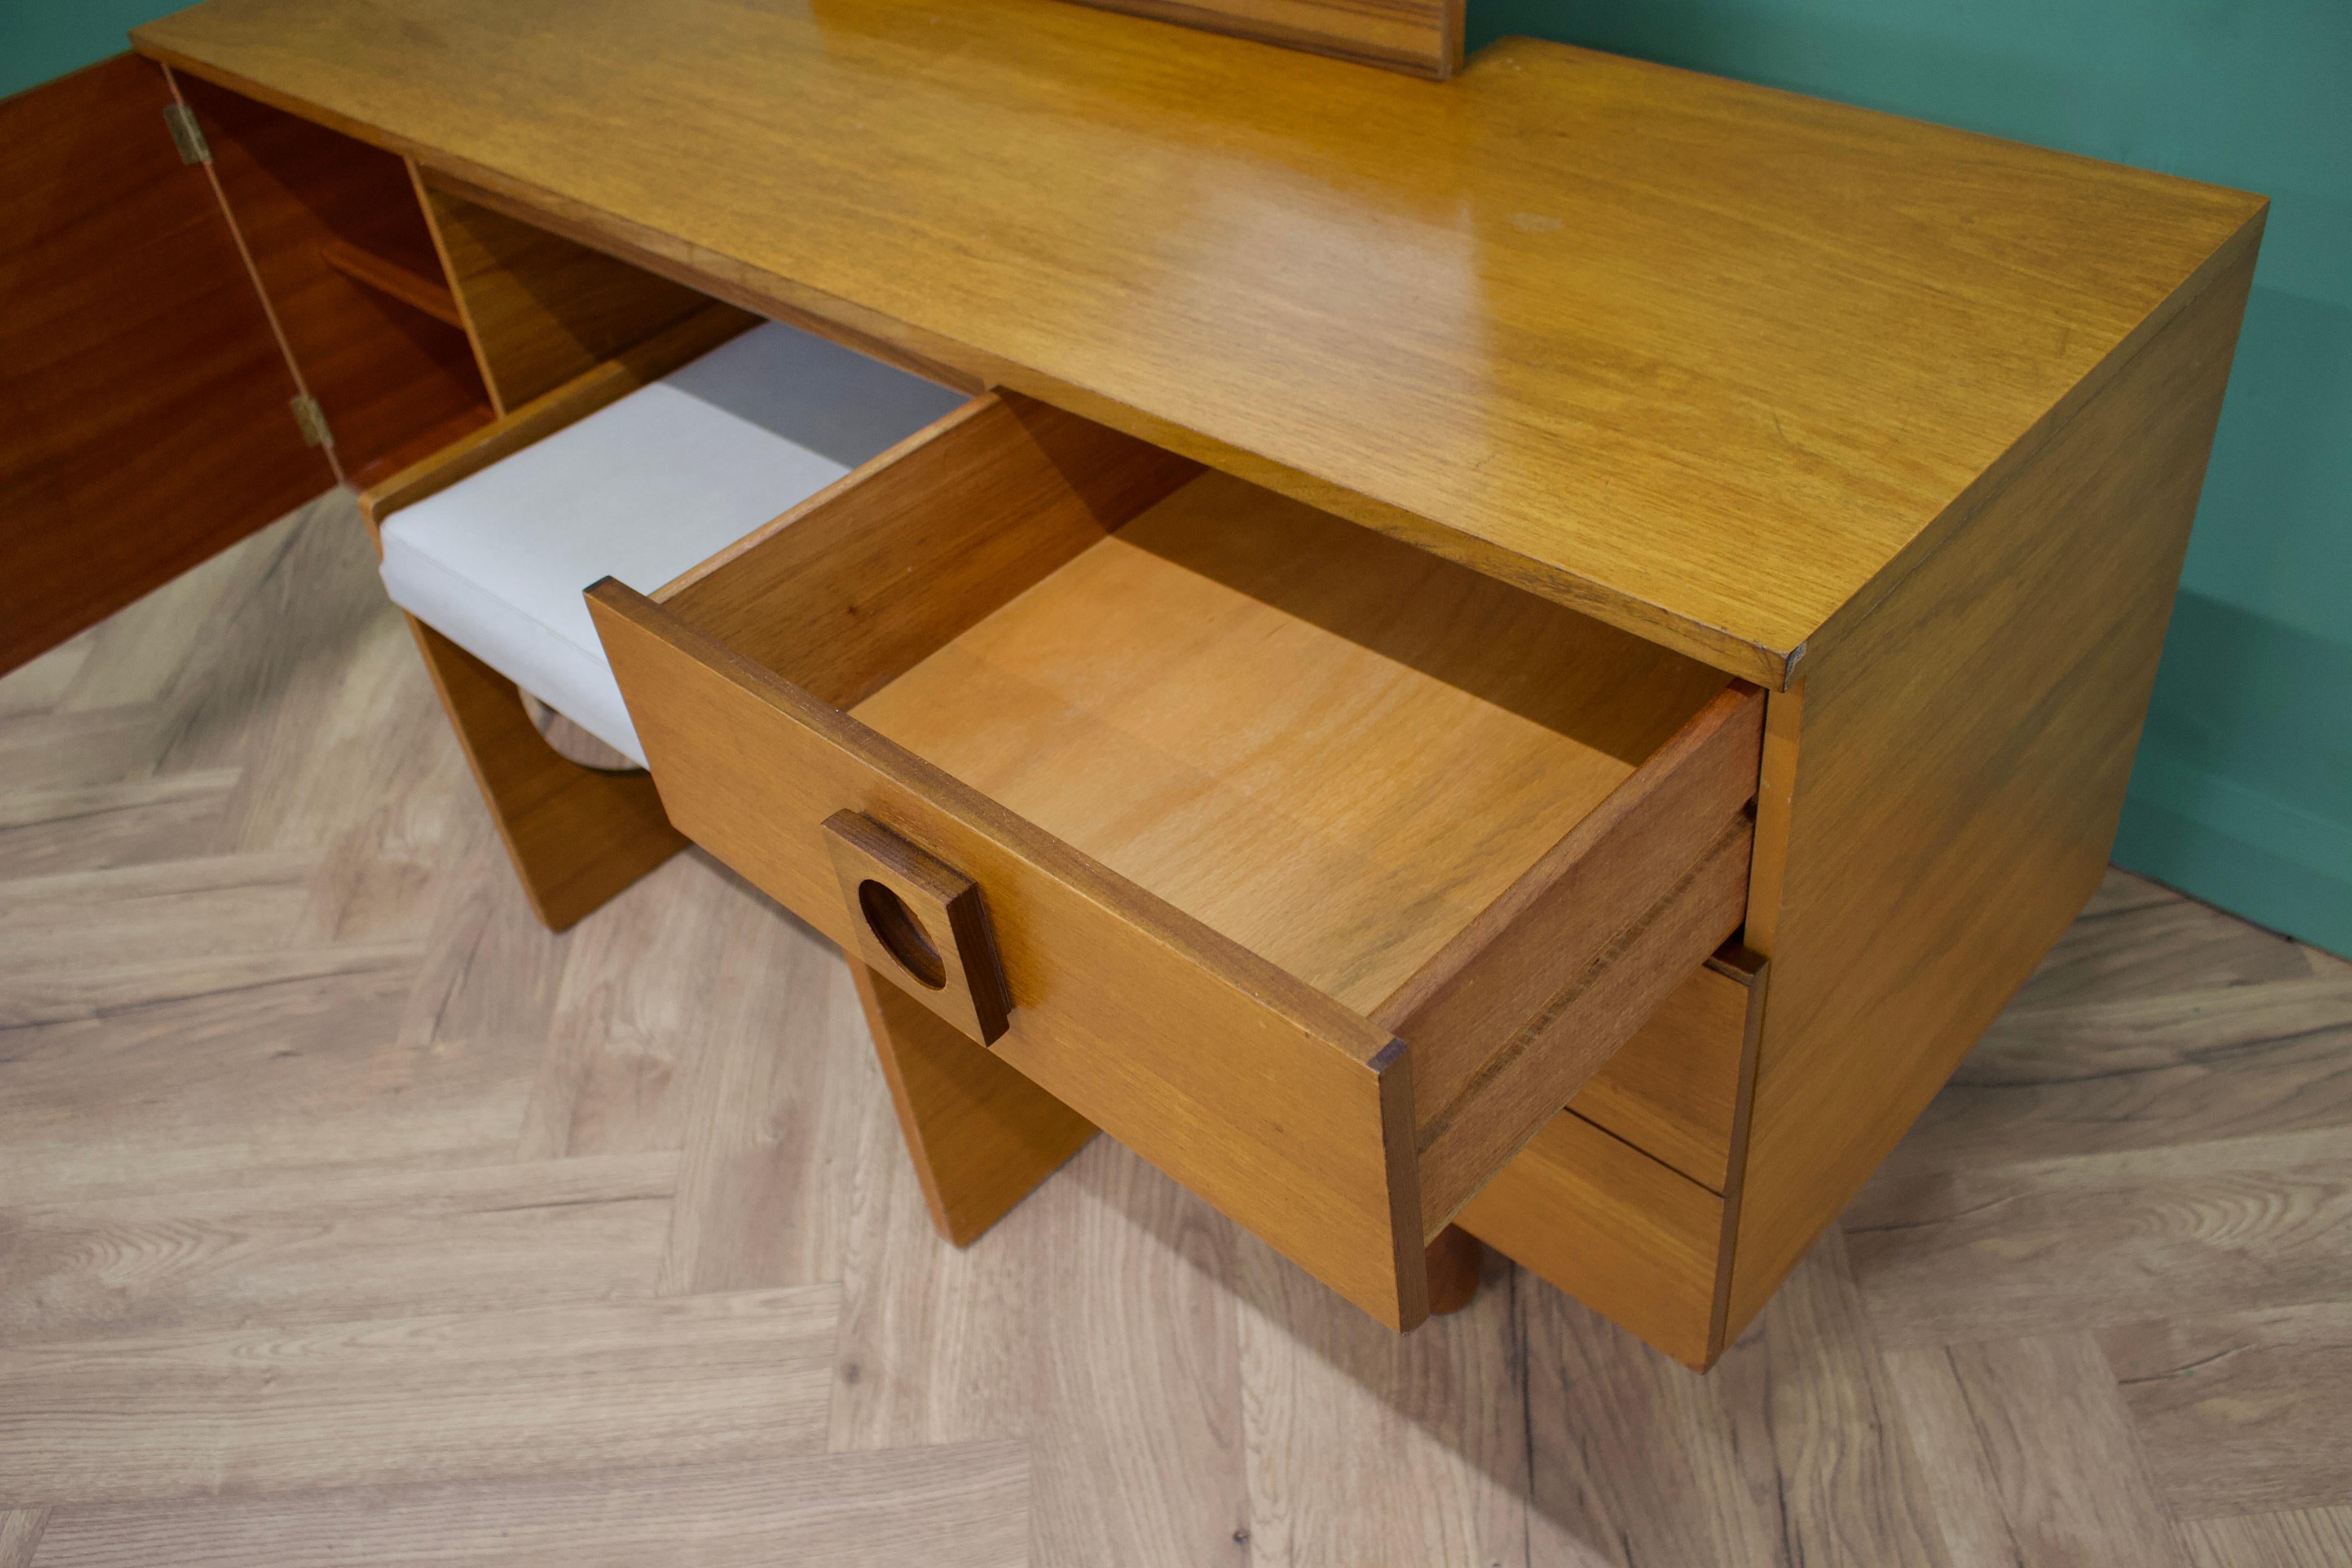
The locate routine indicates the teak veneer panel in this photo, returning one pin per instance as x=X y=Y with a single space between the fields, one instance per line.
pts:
x=394 y=379
x=849 y=590
x=1940 y=804
x=1624 y=1234
x=981 y=1136
x=1712 y=361
x=542 y=310
x=1227 y=775
x=1335 y=749
x=144 y=422
x=1422 y=37
x=1138 y=1017
x=396 y=277
x=1676 y=1091
x=576 y=835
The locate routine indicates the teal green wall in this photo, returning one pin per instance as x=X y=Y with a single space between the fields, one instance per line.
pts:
x=42 y=38
x=2242 y=790
x=2242 y=794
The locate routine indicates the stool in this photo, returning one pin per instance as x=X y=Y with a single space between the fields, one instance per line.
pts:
x=490 y=569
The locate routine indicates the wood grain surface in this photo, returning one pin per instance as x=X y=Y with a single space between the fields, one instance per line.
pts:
x=576 y=835
x=1951 y=792
x=1192 y=702
x=1147 y=1022
x=1706 y=360
x=284 y=1043
x=1336 y=750
x=981 y=1136
x=1422 y=37
x=924 y=925
x=1677 y=1091
x=395 y=381
x=539 y=309
x=142 y=397
x=395 y=275
x=847 y=591
x=1625 y=1233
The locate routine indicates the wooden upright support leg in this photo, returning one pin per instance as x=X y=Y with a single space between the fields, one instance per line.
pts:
x=982 y=1136
x=1453 y=1260
x=576 y=835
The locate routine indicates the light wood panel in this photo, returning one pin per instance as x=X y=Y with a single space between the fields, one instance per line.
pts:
x=1444 y=1480
x=1193 y=703
x=368 y=1244
x=1957 y=774
x=2103 y=1240
x=2030 y=1456
x=239 y=1410
x=542 y=310
x=20 y=1532
x=849 y=590
x=1678 y=1089
x=2308 y=1538
x=1613 y=1227
x=1336 y=751
x=576 y=835
x=1640 y=339
x=395 y=380
x=1789 y=1453
x=2245 y=1412
x=775 y=1099
x=952 y=1506
x=142 y=395
x=396 y=276
x=1142 y=1019
x=1421 y=36
x=980 y=1134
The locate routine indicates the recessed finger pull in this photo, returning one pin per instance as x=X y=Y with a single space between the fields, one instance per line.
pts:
x=921 y=922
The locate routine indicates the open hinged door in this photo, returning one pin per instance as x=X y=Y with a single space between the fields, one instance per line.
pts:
x=146 y=409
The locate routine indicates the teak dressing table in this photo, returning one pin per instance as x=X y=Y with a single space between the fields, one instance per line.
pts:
x=1577 y=585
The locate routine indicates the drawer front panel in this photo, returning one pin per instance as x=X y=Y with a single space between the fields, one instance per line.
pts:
x=1627 y=1235
x=1674 y=1092
x=1287 y=1111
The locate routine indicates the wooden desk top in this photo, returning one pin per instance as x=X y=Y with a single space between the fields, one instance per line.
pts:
x=1713 y=363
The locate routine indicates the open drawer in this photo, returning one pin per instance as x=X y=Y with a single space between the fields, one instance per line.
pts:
x=1316 y=869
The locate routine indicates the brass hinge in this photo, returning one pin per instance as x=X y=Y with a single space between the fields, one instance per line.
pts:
x=313 y=420
x=186 y=134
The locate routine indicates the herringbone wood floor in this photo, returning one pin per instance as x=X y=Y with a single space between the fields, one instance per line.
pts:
x=350 y=1218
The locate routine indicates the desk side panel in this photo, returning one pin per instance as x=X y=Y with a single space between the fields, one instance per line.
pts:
x=1957 y=771
x=145 y=418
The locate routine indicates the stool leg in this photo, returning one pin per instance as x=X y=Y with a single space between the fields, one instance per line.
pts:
x=576 y=835
x=1453 y=1260
x=982 y=1136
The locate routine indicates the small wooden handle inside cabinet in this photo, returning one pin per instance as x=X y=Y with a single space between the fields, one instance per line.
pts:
x=921 y=924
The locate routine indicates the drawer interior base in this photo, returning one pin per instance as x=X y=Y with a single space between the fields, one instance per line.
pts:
x=1334 y=748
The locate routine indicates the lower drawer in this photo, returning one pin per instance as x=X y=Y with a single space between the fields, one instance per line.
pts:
x=1626 y=1200
x=1318 y=870
x=1627 y=1235
x=1678 y=1089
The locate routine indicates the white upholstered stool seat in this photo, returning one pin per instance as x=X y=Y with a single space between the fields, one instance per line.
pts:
x=640 y=490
